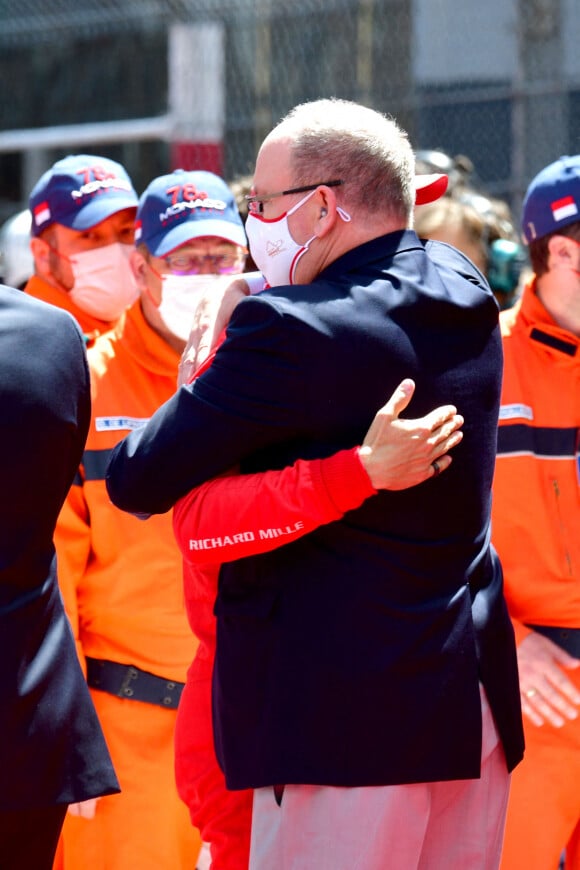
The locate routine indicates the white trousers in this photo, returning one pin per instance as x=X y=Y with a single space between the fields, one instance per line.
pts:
x=455 y=825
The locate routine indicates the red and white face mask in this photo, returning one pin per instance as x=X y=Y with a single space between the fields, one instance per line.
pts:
x=272 y=247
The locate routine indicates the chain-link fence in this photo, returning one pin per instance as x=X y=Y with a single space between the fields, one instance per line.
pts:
x=497 y=81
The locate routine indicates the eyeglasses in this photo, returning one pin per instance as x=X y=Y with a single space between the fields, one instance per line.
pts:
x=256 y=202
x=192 y=264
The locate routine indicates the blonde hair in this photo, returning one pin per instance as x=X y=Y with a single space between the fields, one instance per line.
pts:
x=448 y=212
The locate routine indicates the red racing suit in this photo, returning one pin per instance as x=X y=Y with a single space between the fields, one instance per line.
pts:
x=223 y=520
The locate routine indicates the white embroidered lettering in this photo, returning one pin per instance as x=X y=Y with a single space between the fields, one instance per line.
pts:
x=278 y=533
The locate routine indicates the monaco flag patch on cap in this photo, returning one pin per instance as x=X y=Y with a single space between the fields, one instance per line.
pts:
x=41 y=213
x=564 y=208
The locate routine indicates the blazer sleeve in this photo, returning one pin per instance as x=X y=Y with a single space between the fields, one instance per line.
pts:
x=255 y=394
x=242 y=515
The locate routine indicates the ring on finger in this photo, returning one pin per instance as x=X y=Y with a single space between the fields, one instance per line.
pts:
x=436 y=468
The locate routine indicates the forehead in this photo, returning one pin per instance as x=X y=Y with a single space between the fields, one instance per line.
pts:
x=120 y=220
x=273 y=165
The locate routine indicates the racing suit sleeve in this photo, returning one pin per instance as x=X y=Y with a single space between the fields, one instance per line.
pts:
x=241 y=515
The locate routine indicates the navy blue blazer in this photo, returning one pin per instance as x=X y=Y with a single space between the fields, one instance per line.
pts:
x=51 y=749
x=352 y=656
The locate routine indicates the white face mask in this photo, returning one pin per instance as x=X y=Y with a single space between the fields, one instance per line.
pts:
x=272 y=247
x=180 y=296
x=104 y=284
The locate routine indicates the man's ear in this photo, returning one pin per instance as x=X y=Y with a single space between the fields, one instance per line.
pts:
x=139 y=268
x=150 y=290
x=562 y=250
x=326 y=205
x=41 y=255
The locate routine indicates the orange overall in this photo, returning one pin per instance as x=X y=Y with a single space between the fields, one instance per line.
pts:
x=121 y=580
x=536 y=529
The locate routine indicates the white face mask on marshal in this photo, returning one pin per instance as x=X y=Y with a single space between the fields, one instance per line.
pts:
x=180 y=296
x=272 y=247
x=104 y=284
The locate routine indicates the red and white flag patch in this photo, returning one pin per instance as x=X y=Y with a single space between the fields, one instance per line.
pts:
x=564 y=208
x=41 y=213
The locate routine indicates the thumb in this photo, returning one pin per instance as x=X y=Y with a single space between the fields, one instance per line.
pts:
x=400 y=398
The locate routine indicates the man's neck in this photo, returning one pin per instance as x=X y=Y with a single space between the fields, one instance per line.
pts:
x=351 y=235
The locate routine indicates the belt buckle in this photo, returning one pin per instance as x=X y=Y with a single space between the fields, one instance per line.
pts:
x=126 y=691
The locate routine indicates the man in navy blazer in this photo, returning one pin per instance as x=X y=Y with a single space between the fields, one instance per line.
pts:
x=365 y=682
x=52 y=751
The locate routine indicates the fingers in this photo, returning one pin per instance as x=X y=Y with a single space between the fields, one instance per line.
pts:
x=84 y=809
x=399 y=452
x=532 y=714
x=547 y=694
x=448 y=427
x=210 y=317
x=186 y=367
x=400 y=398
x=442 y=422
x=445 y=436
x=445 y=439
x=241 y=287
x=565 y=659
x=439 y=464
x=443 y=428
x=439 y=416
x=547 y=704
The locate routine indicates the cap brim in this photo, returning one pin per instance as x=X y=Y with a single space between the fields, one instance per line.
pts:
x=428 y=188
x=99 y=209
x=186 y=231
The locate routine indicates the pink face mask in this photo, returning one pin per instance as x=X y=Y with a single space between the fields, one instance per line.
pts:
x=104 y=284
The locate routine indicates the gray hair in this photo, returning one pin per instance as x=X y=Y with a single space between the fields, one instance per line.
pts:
x=338 y=139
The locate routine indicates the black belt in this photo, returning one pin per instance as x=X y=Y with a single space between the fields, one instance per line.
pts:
x=127 y=681
x=566 y=638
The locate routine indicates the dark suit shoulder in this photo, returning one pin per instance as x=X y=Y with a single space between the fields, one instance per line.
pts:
x=443 y=255
x=39 y=315
x=263 y=309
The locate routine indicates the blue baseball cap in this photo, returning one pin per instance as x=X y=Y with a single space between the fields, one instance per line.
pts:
x=552 y=200
x=186 y=205
x=80 y=191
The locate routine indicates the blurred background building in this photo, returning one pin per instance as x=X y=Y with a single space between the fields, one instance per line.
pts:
x=197 y=83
